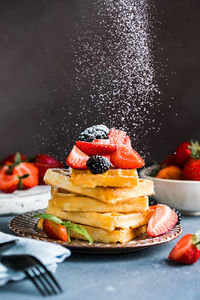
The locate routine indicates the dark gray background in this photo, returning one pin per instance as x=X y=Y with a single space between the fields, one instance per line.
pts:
x=37 y=76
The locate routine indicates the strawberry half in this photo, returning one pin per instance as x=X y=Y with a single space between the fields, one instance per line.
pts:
x=102 y=141
x=77 y=159
x=26 y=168
x=8 y=183
x=162 y=220
x=92 y=149
x=127 y=141
x=126 y=158
x=116 y=137
x=55 y=231
x=187 y=250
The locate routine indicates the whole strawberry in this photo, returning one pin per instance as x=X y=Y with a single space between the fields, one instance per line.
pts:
x=191 y=169
x=187 y=250
x=182 y=154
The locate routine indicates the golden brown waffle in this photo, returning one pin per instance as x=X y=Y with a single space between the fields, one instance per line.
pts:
x=74 y=202
x=101 y=235
x=60 y=178
x=107 y=221
x=113 y=177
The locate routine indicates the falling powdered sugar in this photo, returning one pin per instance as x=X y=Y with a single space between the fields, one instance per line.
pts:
x=114 y=63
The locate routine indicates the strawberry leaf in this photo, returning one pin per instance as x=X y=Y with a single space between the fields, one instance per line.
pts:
x=17 y=158
x=79 y=229
x=196 y=239
x=49 y=217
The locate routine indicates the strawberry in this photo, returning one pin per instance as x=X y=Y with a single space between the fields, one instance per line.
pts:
x=191 y=169
x=44 y=162
x=48 y=160
x=8 y=183
x=42 y=168
x=187 y=250
x=126 y=158
x=92 y=149
x=11 y=158
x=116 y=137
x=168 y=161
x=127 y=141
x=77 y=159
x=102 y=141
x=182 y=154
x=55 y=231
x=162 y=220
x=23 y=169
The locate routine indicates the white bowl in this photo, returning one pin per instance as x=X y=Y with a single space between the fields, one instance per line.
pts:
x=181 y=194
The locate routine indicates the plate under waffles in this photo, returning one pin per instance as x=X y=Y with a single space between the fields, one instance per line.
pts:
x=26 y=226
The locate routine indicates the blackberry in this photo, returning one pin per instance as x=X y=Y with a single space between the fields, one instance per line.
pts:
x=178 y=214
x=98 y=164
x=95 y=132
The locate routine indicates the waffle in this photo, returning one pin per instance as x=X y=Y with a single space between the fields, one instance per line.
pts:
x=101 y=235
x=120 y=235
x=60 y=178
x=113 y=177
x=73 y=202
x=107 y=221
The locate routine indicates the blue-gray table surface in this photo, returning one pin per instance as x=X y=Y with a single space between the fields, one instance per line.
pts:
x=142 y=275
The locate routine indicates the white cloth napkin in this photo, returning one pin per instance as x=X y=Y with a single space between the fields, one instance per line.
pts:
x=50 y=254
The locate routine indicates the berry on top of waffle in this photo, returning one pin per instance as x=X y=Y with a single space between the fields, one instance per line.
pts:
x=113 y=148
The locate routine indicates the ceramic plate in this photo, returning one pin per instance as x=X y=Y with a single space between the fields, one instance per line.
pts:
x=26 y=226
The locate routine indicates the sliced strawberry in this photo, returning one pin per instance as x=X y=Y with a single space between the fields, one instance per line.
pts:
x=55 y=231
x=27 y=168
x=102 y=141
x=92 y=149
x=127 y=141
x=126 y=158
x=116 y=137
x=162 y=220
x=187 y=249
x=48 y=160
x=77 y=159
x=8 y=183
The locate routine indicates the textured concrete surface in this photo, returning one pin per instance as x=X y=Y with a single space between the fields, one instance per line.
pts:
x=142 y=275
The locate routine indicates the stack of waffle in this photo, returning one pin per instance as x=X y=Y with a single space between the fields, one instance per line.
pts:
x=113 y=207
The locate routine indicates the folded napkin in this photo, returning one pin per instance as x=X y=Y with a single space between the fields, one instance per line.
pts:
x=50 y=254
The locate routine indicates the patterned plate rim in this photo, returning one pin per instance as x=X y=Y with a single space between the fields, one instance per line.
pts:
x=25 y=225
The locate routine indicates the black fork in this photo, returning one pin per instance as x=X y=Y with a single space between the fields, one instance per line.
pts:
x=35 y=270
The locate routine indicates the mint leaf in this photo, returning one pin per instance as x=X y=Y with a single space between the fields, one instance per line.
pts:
x=79 y=229
x=49 y=217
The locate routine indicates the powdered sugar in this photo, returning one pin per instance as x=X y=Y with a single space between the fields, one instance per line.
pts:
x=114 y=60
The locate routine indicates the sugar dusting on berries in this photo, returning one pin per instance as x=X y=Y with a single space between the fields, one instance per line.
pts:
x=118 y=70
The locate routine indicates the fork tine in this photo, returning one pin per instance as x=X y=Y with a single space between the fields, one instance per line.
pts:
x=35 y=283
x=45 y=287
x=48 y=272
x=43 y=275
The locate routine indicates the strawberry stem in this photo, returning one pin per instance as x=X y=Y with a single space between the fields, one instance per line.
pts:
x=196 y=239
x=20 y=184
x=195 y=149
x=17 y=162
